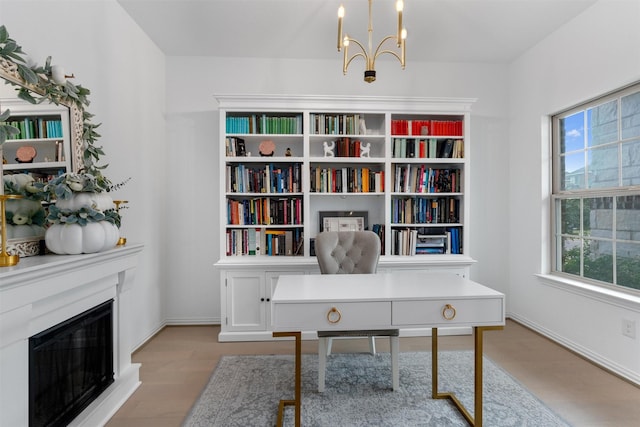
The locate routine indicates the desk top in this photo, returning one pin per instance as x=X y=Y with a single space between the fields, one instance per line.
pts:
x=398 y=286
x=415 y=299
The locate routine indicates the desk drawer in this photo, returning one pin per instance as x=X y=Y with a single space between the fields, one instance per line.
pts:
x=462 y=312
x=316 y=316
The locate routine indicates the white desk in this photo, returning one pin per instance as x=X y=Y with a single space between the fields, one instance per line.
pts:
x=387 y=301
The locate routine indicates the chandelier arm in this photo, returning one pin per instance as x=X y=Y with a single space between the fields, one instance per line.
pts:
x=391 y=53
x=364 y=51
x=346 y=65
x=380 y=45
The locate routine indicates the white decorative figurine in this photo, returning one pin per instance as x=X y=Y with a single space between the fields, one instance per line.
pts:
x=328 y=148
x=363 y=127
x=365 y=149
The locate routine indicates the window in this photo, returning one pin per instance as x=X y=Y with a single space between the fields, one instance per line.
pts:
x=596 y=190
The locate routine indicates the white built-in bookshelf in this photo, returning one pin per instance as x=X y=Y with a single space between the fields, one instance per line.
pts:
x=293 y=166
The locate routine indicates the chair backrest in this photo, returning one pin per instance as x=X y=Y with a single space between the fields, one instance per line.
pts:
x=347 y=252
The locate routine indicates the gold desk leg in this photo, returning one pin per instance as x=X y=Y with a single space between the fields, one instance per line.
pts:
x=298 y=379
x=477 y=350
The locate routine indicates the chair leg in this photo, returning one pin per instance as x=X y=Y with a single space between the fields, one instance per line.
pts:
x=322 y=361
x=395 y=369
x=372 y=345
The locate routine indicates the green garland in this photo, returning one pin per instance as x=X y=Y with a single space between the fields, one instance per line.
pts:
x=67 y=93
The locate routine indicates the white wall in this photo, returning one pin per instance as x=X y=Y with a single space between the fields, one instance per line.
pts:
x=193 y=290
x=99 y=43
x=595 y=53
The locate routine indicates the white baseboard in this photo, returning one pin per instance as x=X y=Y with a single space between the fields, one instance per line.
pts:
x=603 y=362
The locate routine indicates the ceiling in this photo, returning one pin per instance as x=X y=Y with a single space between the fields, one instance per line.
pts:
x=493 y=31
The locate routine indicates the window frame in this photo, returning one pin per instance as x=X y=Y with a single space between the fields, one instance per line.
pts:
x=557 y=195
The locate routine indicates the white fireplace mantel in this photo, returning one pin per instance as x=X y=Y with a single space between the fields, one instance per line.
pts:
x=42 y=291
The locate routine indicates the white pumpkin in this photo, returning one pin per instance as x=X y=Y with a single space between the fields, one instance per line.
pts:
x=98 y=201
x=26 y=206
x=74 y=239
x=23 y=231
x=19 y=180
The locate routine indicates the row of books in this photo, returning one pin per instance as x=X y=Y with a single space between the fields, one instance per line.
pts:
x=269 y=178
x=420 y=241
x=255 y=241
x=422 y=179
x=346 y=180
x=235 y=147
x=428 y=148
x=264 y=124
x=40 y=127
x=264 y=211
x=336 y=124
x=347 y=147
x=422 y=210
x=427 y=127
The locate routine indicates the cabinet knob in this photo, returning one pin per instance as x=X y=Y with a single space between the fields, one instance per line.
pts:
x=449 y=312
x=262 y=299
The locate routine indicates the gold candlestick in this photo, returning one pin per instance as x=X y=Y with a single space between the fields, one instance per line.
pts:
x=121 y=240
x=6 y=260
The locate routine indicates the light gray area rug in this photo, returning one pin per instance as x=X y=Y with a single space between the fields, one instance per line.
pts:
x=245 y=391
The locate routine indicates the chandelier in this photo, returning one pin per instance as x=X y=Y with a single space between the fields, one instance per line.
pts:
x=369 y=55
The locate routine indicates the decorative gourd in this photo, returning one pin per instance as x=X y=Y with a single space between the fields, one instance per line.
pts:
x=97 y=201
x=24 y=231
x=74 y=239
x=19 y=180
x=26 y=206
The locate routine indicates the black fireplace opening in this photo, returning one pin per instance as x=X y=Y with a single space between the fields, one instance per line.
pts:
x=70 y=364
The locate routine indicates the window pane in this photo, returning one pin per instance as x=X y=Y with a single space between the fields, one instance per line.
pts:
x=628 y=265
x=602 y=124
x=598 y=217
x=603 y=167
x=570 y=216
x=628 y=218
x=630 y=115
x=572 y=132
x=570 y=256
x=598 y=260
x=631 y=163
x=573 y=171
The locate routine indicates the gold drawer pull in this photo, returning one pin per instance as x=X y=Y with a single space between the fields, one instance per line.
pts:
x=449 y=312
x=334 y=315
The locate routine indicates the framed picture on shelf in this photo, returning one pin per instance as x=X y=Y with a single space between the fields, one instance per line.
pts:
x=344 y=220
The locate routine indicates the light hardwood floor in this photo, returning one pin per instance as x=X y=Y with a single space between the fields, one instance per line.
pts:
x=178 y=361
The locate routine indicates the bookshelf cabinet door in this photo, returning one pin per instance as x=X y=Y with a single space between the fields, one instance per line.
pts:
x=246 y=301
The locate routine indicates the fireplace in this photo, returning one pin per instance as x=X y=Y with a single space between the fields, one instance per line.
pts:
x=70 y=365
x=42 y=292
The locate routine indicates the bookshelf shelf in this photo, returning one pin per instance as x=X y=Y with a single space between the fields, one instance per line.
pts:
x=372 y=154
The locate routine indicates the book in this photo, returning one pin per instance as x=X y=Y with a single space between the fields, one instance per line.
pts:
x=447 y=149
x=241 y=150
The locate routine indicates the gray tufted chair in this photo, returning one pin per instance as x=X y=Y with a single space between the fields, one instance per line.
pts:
x=350 y=252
